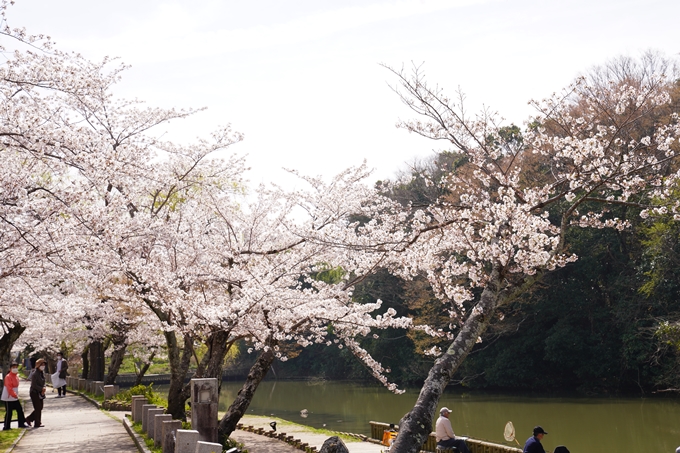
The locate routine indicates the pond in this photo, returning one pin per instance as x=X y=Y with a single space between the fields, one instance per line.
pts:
x=584 y=425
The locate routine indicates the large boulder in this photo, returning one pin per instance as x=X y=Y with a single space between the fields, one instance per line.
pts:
x=334 y=445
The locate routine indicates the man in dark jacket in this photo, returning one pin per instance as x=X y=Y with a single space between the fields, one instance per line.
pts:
x=533 y=444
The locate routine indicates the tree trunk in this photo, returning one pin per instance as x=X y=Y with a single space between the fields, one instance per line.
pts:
x=212 y=363
x=86 y=361
x=141 y=371
x=97 y=363
x=416 y=425
x=179 y=366
x=11 y=331
x=238 y=408
x=116 y=361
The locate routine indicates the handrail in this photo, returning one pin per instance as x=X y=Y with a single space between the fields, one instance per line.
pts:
x=475 y=445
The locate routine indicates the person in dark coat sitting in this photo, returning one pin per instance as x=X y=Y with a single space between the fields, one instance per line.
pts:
x=533 y=444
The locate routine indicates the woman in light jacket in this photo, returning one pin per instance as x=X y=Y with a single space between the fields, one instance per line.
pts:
x=11 y=398
x=37 y=393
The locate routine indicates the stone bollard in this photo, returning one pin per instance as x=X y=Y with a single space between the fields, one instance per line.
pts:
x=158 y=428
x=133 y=409
x=145 y=411
x=110 y=391
x=208 y=447
x=185 y=441
x=150 y=414
x=137 y=409
x=97 y=388
x=168 y=435
x=88 y=385
x=81 y=384
x=204 y=401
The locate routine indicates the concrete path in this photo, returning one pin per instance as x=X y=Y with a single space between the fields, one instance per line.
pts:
x=72 y=424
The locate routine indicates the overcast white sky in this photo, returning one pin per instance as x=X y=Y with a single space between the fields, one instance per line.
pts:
x=302 y=81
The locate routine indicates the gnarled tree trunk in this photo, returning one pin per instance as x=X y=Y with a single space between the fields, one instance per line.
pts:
x=179 y=359
x=86 y=361
x=117 y=357
x=141 y=370
x=11 y=331
x=416 y=425
x=238 y=408
x=212 y=363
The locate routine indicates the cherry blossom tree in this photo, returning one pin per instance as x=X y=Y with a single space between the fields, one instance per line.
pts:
x=505 y=216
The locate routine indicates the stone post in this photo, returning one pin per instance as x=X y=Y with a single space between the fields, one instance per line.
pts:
x=158 y=428
x=208 y=447
x=134 y=403
x=145 y=412
x=81 y=384
x=98 y=387
x=204 y=401
x=150 y=414
x=185 y=441
x=110 y=391
x=168 y=435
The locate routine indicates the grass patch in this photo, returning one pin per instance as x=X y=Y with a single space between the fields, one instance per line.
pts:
x=137 y=427
x=147 y=390
x=7 y=438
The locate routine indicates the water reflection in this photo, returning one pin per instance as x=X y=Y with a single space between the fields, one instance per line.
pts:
x=585 y=425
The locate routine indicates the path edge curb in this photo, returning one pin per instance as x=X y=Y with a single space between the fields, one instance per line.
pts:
x=16 y=441
x=136 y=438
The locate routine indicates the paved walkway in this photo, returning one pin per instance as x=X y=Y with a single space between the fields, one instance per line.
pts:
x=72 y=424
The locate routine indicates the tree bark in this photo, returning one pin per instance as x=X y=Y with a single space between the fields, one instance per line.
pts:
x=11 y=331
x=86 y=361
x=416 y=425
x=141 y=371
x=238 y=408
x=179 y=359
x=116 y=361
x=212 y=363
x=97 y=363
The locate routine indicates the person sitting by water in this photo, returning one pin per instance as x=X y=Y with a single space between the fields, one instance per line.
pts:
x=533 y=444
x=561 y=449
x=445 y=435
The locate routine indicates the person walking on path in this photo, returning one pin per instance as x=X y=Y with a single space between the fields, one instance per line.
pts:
x=59 y=377
x=37 y=394
x=10 y=395
x=533 y=444
x=74 y=425
x=445 y=435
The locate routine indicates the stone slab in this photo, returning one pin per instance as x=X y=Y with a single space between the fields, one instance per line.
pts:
x=185 y=441
x=110 y=391
x=134 y=403
x=168 y=435
x=208 y=447
x=145 y=411
x=204 y=403
x=158 y=428
x=98 y=388
x=150 y=414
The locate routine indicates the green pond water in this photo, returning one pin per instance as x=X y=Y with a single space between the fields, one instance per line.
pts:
x=584 y=425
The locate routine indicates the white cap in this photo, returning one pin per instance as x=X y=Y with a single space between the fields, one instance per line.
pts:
x=448 y=411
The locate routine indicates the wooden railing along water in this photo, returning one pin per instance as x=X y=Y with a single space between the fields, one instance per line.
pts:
x=475 y=445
